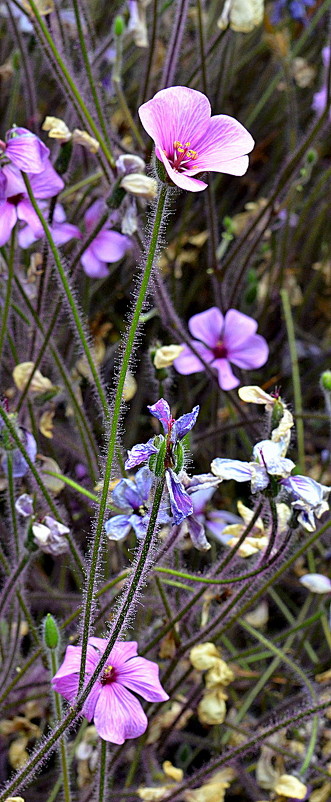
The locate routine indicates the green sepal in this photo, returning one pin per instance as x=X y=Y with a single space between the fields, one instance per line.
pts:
x=277 y=413
x=179 y=456
x=63 y=159
x=51 y=632
x=160 y=457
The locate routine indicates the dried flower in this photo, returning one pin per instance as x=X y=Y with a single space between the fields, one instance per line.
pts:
x=212 y=708
x=165 y=356
x=140 y=185
x=86 y=140
x=56 y=128
x=39 y=383
x=49 y=535
x=290 y=786
x=242 y=15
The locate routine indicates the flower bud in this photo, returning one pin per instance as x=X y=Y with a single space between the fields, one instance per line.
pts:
x=212 y=708
x=119 y=25
x=57 y=129
x=140 y=185
x=83 y=138
x=204 y=656
x=165 y=356
x=51 y=632
x=39 y=383
x=130 y=163
x=171 y=771
x=316 y=583
x=290 y=786
x=326 y=380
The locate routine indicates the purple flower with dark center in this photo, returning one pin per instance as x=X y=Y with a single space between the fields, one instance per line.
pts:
x=106 y=247
x=173 y=457
x=25 y=150
x=14 y=202
x=189 y=141
x=133 y=496
x=117 y=713
x=221 y=340
x=61 y=231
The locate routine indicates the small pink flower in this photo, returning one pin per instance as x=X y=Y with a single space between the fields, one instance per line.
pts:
x=189 y=141
x=105 y=248
x=117 y=713
x=221 y=340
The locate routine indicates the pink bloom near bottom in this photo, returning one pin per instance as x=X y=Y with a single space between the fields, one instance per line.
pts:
x=117 y=713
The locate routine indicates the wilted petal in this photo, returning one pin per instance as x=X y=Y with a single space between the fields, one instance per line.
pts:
x=140 y=453
x=197 y=533
x=232 y=469
x=180 y=502
x=24 y=505
x=118 y=714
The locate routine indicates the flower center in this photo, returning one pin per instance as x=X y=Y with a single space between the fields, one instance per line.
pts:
x=15 y=199
x=220 y=352
x=106 y=676
x=181 y=155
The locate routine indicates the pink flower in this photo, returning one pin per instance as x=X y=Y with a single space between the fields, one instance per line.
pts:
x=117 y=713
x=14 y=202
x=106 y=247
x=189 y=141
x=25 y=150
x=62 y=232
x=221 y=340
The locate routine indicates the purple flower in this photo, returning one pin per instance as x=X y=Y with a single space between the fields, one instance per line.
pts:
x=174 y=431
x=200 y=489
x=221 y=340
x=14 y=202
x=25 y=150
x=19 y=464
x=189 y=141
x=132 y=495
x=268 y=460
x=294 y=8
x=107 y=246
x=24 y=505
x=117 y=713
x=61 y=231
x=310 y=498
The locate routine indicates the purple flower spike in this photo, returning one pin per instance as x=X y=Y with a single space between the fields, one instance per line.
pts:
x=117 y=713
x=189 y=141
x=26 y=150
x=220 y=341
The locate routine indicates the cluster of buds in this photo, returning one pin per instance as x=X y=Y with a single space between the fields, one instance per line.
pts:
x=134 y=180
x=47 y=534
x=212 y=707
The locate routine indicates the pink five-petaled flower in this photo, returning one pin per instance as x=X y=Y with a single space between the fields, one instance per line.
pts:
x=189 y=141
x=117 y=713
x=221 y=340
x=107 y=246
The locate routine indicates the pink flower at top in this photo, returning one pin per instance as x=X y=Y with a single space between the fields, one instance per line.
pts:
x=25 y=150
x=117 y=713
x=189 y=141
x=221 y=340
x=106 y=247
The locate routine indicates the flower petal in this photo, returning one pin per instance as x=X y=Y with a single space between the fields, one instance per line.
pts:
x=197 y=533
x=187 y=362
x=180 y=502
x=122 y=651
x=182 y=180
x=207 y=326
x=237 y=329
x=140 y=453
x=142 y=677
x=184 y=424
x=224 y=140
x=64 y=232
x=161 y=411
x=144 y=480
x=252 y=354
x=175 y=114
x=118 y=527
x=226 y=379
x=8 y=219
x=92 y=266
x=232 y=469
x=26 y=150
x=118 y=715
x=48 y=183
x=110 y=246
x=26 y=212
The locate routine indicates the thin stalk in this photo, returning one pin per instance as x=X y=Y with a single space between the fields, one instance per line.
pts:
x=90 y=78
x=295 y=378
x=116 y=417
x=70 y=299
x=62 y=743
x=103 y=768
x=6 y=306
x=11 y=493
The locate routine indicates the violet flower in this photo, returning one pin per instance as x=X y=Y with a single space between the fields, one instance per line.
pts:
x=25 y=150
x=174 y=431
x=7 y=446
x=201 y=488
x=132 y=495
x=221 y=340
x=61 y=231
x=296 y=9
x=268 y=461
x=106 y=247
x=117 y=713
x=310 y=498
x=189 y=141
x=14 y=202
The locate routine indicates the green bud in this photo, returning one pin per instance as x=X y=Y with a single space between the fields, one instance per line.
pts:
x=326 y=380
x=312 y=156
x=51 y=632
x=159 y=465
x=119 y=25
x=277 y=413
x=63 y=159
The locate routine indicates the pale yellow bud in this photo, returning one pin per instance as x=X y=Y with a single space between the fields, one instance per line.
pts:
x=39 y=383
x=46 y=425
x=204 y=656
x=14 y=799
x=171 y=771
x=212 y=708
x=83 y=138
x=253 y=394
x=166 y=355
x=141 y=185
x=290 y=786
x=213 y=790
x=43 y=6
x=153 y=794
x=219 y=674
x=242 y=15
x=129 y=387
x=57 y=128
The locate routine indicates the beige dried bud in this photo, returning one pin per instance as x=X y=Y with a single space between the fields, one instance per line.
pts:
x=51 y=482
x=290 y=786
x=204 y=656
x=212 y=708
x=213 y=790
x=6 y=70
x=259 y=616
x=242 y=15
x=46 y=425
x=219 y=674
x=139 y=185
x=83 y=138
x=166 y=355
x=14 y=799
x=43 y=6
x=253 y=394
x=129 y=387
x=56 y=128
x=39 y=383
x=153 y=794
x=172 y=772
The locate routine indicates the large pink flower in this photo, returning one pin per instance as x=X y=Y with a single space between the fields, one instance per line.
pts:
x=221 y=340
x=189 y=141
x=117 y=713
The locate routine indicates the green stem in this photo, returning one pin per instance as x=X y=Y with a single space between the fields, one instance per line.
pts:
x=6 y=307
x=91 y=80
x=62 y=744
x=70 y=299
x=11 y=493
x=116 y=417
x=102 y=774
x=295 y=378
